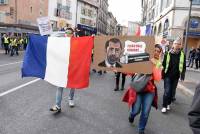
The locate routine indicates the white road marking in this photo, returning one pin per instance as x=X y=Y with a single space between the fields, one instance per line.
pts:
x=185 y=89
x=10 y=63
x=16 y=88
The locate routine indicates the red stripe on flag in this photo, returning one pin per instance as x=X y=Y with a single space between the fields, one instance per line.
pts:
x=79 y=62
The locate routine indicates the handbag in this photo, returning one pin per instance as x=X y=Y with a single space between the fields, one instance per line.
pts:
x=139 y=81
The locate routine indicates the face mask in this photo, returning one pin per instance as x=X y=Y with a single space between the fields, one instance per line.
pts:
x=68 y=32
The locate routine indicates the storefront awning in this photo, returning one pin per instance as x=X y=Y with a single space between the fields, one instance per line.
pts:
x=92 y=30
x=193 y=34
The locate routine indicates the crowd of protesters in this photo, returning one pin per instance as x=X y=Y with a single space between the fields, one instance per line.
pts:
x=194 y=57
x=12 y=44
x=170 y=59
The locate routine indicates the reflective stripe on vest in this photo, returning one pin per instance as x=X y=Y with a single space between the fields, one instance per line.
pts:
x=6 y=40
x=181 y=61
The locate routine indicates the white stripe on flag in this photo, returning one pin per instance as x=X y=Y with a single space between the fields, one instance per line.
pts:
x=57 y=56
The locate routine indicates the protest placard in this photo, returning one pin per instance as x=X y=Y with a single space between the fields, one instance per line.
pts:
x=44 y=25
x=129 y=54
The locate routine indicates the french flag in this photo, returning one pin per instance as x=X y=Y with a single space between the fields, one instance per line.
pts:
x=61 y=61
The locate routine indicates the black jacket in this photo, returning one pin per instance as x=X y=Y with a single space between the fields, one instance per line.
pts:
x=173 y=69
x=103 y=64
x=194 y=113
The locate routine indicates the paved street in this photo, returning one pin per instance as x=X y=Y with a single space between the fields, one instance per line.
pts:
x=98 y=110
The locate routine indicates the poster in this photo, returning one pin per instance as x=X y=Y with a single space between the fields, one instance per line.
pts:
x=44 y=25
x=128 y=54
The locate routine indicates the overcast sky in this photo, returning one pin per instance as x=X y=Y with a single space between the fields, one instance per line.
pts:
x=125 y=10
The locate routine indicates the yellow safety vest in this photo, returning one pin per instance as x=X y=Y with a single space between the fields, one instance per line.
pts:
x=26 y=41
x=13 y=42
x=6 y=40
x=180 y=62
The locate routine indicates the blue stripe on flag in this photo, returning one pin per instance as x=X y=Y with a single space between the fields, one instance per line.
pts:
x=34 y=63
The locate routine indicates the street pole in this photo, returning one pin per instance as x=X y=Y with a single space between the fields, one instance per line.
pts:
x=76 y=13
x=187 y=28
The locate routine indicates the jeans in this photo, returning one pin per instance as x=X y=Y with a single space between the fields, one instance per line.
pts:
x=14 y=49
x=143 y=102
x=197 y=62
x=191 y=60
x=59 y=93
x=170 y=90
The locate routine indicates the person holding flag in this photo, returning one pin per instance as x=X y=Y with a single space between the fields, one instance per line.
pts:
x=59 y=92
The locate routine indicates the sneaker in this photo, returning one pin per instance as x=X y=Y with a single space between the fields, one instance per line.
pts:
x=55 y=109
x=168 y=107
x=116 y=89
x=71 y=103
x=164 y=110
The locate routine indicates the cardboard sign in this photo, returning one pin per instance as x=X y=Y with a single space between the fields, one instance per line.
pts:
x=128 y=54
x=44 y=25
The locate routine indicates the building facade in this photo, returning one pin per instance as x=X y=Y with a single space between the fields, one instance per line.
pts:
x=61 y=13
x=133 y=27
x=102 y=17
x=111 y=24
x=14 y=18
x=87 y=11
x=121 y=30
x=168 y=19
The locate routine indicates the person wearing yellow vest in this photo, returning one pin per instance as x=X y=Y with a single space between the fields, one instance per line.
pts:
x=25 y=42
x=6 y=42
x=14 y=47
x=174 y=67
x=20 y=42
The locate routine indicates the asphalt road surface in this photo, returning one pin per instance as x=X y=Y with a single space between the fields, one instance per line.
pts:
x=25 y=103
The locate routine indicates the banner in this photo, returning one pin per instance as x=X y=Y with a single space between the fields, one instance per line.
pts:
x=44 y=25
x=128 y=54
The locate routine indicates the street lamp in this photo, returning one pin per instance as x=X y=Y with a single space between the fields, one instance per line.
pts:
x=187 y=28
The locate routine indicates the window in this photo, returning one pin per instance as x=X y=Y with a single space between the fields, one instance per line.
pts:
x=3 y=1
x=153 y=14
x=2 y=17
x=83 y=11
x=40 y=12
x=82 y=20
x=155 y=30
x=31 y=9
x=160 y=28
x=90 y=13
x=196 y=2
x=166 y=25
